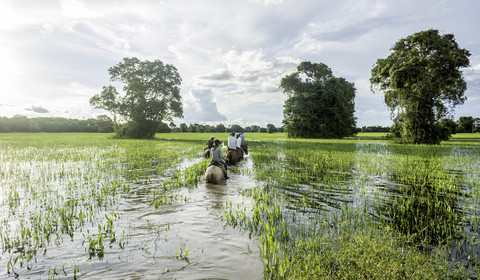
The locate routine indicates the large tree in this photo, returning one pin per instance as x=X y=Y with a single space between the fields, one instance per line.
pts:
x=422 y=83
x=151 y=94
x=319 y=105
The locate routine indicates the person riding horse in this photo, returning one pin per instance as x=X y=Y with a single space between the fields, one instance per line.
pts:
x=210 y=144
x=217 y=156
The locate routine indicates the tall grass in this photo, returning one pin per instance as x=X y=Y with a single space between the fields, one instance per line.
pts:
x=363 y=208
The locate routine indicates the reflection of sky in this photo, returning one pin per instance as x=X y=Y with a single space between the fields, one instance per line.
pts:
x=231 y=56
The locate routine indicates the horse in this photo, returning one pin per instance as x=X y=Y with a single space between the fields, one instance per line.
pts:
x=206 y=152
x=244 y=146
x=232 y=157
x=215 y=174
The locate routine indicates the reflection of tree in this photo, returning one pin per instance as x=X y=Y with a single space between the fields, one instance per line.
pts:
x=423 y=210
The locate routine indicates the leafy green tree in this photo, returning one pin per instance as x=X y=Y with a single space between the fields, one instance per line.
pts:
x=235 y=128
x=151 y=95
x=220 y=128
x=449 y=124
x=271 y=128
x=465 y=124
x=104 y=123
x=422 y=83
x=254 y=128
x=183 y=127
x=319 y=105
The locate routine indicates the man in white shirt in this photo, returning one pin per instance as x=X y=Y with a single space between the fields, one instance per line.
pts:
x=232 y=142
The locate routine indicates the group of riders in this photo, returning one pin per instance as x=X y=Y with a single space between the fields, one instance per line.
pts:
x=236 y=142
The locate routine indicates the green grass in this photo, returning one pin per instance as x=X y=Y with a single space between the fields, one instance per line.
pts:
x=355 y=208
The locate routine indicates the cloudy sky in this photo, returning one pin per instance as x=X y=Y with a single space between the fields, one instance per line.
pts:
x=231 y=55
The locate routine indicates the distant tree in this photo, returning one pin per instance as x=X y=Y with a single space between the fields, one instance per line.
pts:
x=163 y=128
x=254 y=128
x=449 y=124
x=104 y=123
x=319 y=105
x=192 y=127
x=220 y=128
x=476 y=125
x=4 y=124
x=209 y=128
x=235 y=128
x=421 y=81
x=271 y=128
x=465 y=125
x=262 y=130
x=374 y=129
x=183 y=127
x=152 y=95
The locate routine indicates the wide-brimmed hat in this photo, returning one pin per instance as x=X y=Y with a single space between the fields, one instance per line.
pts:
x=217 y=142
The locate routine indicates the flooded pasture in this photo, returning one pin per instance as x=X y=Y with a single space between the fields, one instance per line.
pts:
x=86 y=206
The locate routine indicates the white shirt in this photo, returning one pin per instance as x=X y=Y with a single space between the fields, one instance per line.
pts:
x=232 y=142
x=239 y=142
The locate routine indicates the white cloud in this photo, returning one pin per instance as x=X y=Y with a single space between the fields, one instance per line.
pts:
x=237 y=50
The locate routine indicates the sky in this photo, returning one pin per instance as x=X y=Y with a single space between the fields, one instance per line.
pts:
x=231 y=55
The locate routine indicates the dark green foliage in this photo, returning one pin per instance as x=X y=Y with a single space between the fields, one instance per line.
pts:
x=449 y=124
x=19 y=123
x=151 y=95
x=465 y=125
x=271 y=128
x=422 y=83
x=319 y=105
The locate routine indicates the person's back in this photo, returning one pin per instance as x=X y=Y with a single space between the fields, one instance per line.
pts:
x=242 y=137
x=232 y=142
x=216 y=154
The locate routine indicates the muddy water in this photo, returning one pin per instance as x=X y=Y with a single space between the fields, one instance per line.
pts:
x=156 y=240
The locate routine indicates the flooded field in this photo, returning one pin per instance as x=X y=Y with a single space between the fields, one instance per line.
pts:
x=86 y=206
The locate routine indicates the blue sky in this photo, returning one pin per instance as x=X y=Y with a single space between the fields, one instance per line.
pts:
x=231 y=55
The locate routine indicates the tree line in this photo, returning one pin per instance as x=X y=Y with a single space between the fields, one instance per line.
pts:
x=105 y=124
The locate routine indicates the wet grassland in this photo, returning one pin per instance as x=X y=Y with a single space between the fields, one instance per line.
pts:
x=86 y=206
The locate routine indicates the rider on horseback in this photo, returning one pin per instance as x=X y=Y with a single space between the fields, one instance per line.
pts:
x=217 y=156
x=232 y=142
x=210 y=143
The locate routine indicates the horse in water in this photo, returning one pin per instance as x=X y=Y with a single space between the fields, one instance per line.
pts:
x=206 y=153
x=215 y=174
x=244 y=147
x=232 y=157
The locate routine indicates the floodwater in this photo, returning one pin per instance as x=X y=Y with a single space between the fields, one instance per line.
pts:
x=156 y=240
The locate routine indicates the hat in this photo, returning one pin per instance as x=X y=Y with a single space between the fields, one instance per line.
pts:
x=217 y=142
x=233 y=133
x=212 y=137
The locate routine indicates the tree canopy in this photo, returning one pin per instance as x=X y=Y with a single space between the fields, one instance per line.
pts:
x=151 y=95
x=422 y=83
x=319 y=105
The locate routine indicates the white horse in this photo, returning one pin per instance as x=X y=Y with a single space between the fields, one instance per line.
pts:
x=214 y=175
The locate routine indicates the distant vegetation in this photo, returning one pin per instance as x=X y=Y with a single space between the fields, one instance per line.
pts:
x=105 y=124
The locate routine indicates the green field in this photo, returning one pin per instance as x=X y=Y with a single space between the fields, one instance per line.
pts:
x=87 y=206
